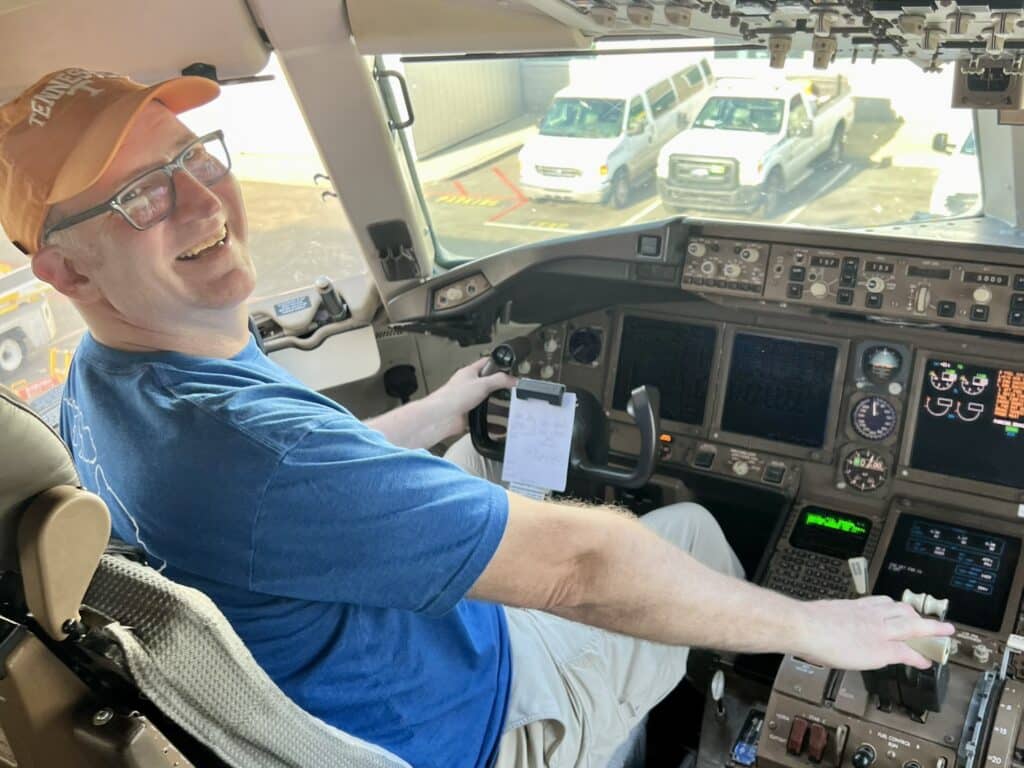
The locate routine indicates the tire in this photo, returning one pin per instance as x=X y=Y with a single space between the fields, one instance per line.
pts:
x=620 y=192
x=771 y=194
x=837 y=148
x=12 y=352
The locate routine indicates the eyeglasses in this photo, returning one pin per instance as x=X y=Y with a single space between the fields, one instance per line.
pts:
x=150 y=198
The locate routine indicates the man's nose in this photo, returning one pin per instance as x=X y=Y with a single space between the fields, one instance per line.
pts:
x=194 y=200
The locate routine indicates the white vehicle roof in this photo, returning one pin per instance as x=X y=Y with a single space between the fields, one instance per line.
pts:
x=751 y=88
x=620 y=77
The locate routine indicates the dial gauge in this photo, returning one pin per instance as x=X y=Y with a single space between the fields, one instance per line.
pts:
x=585 y=346
x=943 y=381
x=865 y=470
x=881 y=364
x=973 y=385
x=874 y=418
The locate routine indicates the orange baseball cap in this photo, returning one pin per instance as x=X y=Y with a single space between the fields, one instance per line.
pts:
x=59 y=136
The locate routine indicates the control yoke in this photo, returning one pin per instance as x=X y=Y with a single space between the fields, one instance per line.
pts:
x=590 y=429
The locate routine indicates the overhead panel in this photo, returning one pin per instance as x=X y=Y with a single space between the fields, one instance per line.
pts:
x=148 y=40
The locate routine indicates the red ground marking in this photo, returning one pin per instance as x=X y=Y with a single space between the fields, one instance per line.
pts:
x=521 y=199
x=460 y=188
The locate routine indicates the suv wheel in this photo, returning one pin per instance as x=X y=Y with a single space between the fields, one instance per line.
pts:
x=620 y=191
x=12 y=353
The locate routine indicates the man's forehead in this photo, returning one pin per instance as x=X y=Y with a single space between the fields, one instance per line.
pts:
x=154 y=139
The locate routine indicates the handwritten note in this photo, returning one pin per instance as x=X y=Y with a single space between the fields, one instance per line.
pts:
x=538 y=440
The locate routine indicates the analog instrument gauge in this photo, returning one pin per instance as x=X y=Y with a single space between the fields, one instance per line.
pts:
x=585 y=346
x=973 y=385
x=874 y=418
x=866 y=470
x=942 y=381
x=881 y=364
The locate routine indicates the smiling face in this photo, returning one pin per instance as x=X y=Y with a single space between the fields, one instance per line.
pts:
x=190 y=269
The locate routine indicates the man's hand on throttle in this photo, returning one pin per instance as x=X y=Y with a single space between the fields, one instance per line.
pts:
x=466 y=389
x=868 y=633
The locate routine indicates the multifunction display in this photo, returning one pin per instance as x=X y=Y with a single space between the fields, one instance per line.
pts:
x=780 y=389
x=972 y=568
x=674 y=357
x=970 y=423
x=831 y=533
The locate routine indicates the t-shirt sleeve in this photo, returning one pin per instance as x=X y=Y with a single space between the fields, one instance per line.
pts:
x=348 y=517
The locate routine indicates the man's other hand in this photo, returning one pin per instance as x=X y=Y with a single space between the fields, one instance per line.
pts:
x=466 y=389
x=868 y=633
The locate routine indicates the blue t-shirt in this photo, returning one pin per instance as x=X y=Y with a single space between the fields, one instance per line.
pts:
x=341 y=560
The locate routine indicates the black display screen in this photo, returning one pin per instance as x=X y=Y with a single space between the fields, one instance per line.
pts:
x=779 y=389
x=674 y=357
x=970 y=423
x=831 y=533
x=972 y=568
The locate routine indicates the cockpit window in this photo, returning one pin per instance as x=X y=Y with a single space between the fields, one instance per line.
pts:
x=583 y=118
x=534 y=148
x=969 y=147
x=728 y=114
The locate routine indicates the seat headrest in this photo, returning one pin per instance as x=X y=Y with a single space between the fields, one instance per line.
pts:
x=32 y=459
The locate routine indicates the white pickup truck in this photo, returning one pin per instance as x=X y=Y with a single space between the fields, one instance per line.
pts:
x=752 y=142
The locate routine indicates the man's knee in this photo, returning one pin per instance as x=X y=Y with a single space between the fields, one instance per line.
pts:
x=692 y=528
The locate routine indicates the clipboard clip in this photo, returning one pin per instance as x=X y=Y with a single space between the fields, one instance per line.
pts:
x=534 y=389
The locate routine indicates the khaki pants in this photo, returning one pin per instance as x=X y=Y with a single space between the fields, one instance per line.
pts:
x=577 y=691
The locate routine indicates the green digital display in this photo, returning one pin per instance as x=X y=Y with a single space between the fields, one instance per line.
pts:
x=833 y=523
x=830 y=533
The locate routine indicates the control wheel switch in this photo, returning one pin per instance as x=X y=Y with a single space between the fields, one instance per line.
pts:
x=863 y=757
x=797 y=736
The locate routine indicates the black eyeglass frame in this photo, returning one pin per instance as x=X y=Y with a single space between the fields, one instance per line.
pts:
x=113 y=203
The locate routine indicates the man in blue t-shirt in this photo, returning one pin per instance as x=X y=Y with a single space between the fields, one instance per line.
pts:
x=374 y=582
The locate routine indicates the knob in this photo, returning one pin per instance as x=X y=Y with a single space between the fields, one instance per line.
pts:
x=741 y=468
x=453 y=294
x=982 y=295
x=547 y=371
x=922 y=299
x=731 y=271
x=550 y=344
x=750 y=254
x=981 y=653
x=819 y=290
x=523 y=369
x=863 y=757
x=708 y=268
x=696 y=249
x=876 y=284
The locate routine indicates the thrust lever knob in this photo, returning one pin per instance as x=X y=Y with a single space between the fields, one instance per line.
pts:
x=925 y=604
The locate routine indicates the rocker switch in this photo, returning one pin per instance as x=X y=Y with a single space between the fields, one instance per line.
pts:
x=797 y=736
x=817 y=742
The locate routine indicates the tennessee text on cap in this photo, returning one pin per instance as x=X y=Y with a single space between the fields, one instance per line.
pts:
x=59 y=136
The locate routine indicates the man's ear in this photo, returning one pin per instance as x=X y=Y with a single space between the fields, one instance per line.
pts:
x=52 y=265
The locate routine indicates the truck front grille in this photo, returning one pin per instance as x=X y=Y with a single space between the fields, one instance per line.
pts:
x=702 y=172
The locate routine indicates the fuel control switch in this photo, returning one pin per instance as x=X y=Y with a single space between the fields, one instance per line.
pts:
x=863 y=757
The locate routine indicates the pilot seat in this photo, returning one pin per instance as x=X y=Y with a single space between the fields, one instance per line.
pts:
x=105 y=662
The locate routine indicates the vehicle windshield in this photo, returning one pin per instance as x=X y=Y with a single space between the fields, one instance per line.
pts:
x=584 y=118
x=504 y=156
x=732 y=114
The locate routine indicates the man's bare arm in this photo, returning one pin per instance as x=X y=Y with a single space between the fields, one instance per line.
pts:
x=442 y=414
x=603 y=568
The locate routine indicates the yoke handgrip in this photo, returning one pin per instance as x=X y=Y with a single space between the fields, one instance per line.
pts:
x=644 y=405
